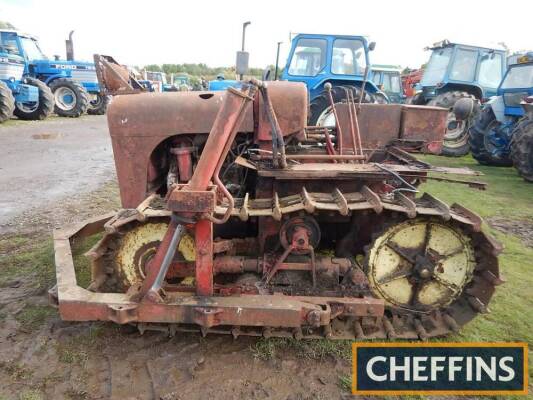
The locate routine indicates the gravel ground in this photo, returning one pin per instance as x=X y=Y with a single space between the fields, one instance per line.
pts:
x=43 y=162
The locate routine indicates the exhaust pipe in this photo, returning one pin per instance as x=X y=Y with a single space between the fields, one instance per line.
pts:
x=69 y=43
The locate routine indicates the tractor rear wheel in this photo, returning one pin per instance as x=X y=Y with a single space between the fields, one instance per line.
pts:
x=482 y=147
x=417 y=100
x=7 y=102
x=522 y=148
x=320 y=108
x=98 y=105
x=380 y=98
x=455 y=142
x=36 y=110
x=71 y=99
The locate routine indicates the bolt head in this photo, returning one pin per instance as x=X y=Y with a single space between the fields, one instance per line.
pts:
x=425 y=273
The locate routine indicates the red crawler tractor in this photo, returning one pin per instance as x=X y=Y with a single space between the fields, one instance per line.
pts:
x=240 y=219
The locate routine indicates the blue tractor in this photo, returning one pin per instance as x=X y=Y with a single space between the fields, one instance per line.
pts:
x=73 y=83
x=504 y=117
x=342 y=61
x=221 y=83
x=455 y=71
x=388 y=79
x=26 y=97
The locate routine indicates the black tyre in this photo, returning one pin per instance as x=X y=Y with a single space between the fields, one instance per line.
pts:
x=7 y=102
x=484 y=126
x=380 y=98
x=320 y=108
x=98 y=106
x=455 y=141
x=522 y=148
x=36 y=110
x=71 y=99
x=417 y=100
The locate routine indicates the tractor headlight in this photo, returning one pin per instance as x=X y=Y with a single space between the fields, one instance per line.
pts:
x=514 y=99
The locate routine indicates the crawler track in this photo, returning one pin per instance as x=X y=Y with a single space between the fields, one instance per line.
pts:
x=396 y=322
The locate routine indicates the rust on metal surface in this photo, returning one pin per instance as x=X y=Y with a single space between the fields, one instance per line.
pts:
x=219 y=236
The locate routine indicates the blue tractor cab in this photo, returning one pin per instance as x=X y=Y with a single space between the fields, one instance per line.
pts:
x=26 y=97
x=221 y=83
x=73 y=83
x=388 y=79
x=316 y=59
x=455 y=71
x=503 y=117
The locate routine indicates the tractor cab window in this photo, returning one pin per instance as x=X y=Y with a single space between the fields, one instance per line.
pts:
x=348 y=57
x=31 y=49
x=386 y=83
x=156 y=77
x=490 y=70
x=309 y=57
x=464 y=65
x=395 y=85
x=436 y=67
x=8 y=43
x=376 y=77
x=519 y=77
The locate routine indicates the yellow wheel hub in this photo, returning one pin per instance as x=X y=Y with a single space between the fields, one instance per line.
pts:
x=420 y=264
x=139 y=245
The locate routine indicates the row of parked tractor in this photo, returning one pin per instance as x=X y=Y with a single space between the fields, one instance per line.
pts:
x=487 y=91
x=32 y=86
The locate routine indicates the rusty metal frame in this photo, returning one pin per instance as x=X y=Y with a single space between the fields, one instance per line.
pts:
x=76 y=303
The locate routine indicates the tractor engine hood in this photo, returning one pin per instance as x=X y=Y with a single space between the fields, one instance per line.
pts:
x=48 y=65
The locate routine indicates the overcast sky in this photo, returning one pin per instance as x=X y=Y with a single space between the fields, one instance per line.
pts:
x=153 y=31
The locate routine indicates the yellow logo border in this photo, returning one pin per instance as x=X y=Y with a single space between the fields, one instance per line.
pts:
x=355 y=345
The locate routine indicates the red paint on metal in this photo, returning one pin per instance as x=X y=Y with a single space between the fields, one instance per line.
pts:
x=203 y=236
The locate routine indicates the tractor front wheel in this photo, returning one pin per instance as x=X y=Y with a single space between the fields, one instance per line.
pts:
x=36 y=110
x=481 y=139
x=522 y=148
x=321 y=113
x=98 y=104
x=7 y=102
x=455 y=142
x=71 y=99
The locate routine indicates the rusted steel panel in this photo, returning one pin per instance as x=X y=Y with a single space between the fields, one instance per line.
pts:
x=378 y=124
x=289 y=101
x=167 y=114
x=182 y=201
x=203 y=238
x=424 y=123
x=139 y=123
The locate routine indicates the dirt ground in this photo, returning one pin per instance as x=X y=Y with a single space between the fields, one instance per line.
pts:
x=68 y=177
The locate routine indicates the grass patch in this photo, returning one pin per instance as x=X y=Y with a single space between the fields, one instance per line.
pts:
x=28 y=257
x=31 y=395
x=266 y=349
x=82 y=264
x=76 y=350
x=345 y=383
x=32 y=317
x=32 y=258
x=507 y=196
x=16 y=371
